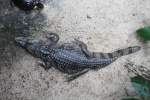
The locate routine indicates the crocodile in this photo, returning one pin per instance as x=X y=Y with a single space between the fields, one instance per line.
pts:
x=80 y=47
x=72 y=61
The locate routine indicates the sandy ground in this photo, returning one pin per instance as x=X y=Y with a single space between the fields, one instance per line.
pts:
x=104 y=25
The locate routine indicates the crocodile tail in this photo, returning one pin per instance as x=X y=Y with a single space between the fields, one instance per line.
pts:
x=117 y=53
x=126 y=51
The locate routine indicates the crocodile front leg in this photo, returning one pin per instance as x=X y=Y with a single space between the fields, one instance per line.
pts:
x=46 y=64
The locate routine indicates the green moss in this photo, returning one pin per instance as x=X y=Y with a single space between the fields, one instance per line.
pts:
x=142 y=88
x=144 y=33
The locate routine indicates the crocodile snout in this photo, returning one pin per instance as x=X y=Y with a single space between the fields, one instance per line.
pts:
x=21 y=41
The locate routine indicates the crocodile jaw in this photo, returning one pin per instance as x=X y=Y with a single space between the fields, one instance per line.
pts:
x=21 y=41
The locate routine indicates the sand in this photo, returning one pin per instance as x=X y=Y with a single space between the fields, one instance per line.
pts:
x=104 y=25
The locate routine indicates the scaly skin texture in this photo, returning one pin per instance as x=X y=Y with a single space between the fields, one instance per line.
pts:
x=140 y=70
x=28 y=5
x=82 y=48
x=67 y=60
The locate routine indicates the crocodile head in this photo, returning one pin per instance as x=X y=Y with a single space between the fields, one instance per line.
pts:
x=34 y=47
x=31 y=45
x=25 y=42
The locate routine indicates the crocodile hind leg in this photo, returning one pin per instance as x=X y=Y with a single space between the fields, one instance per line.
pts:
x=46 y=64
x=76 y=75
x=89 y=54
x=84 y=49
